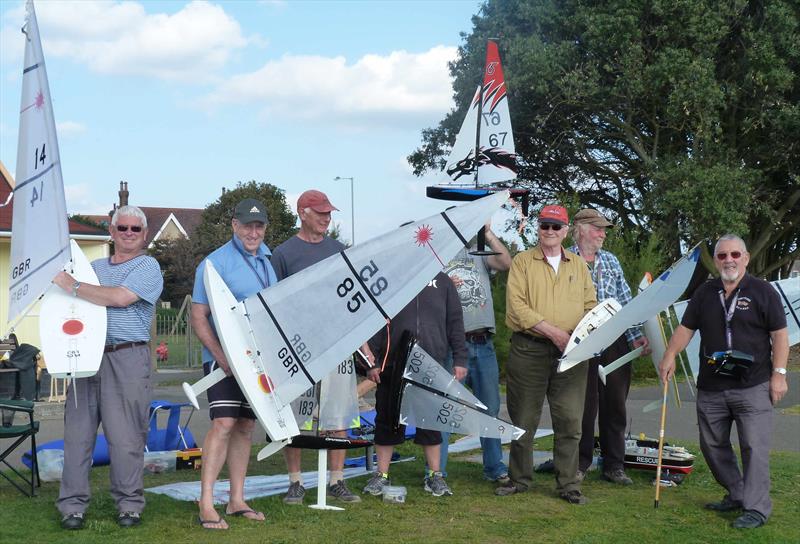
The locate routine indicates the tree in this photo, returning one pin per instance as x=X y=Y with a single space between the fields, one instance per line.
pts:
x=178 y=258
x=215 y=227
x=678 y=116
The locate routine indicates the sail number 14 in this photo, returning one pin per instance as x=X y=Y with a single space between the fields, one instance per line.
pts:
x=377 y=286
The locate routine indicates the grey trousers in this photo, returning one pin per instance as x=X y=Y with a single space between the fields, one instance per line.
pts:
x=118 y=396
x=531 y=375
x=752 y=411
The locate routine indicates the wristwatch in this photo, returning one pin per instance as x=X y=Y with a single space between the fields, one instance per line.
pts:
x=75 y=287
x=779 y=370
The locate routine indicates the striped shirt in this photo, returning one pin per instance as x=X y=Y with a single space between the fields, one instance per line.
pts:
x=609 y=280
x=142 y=276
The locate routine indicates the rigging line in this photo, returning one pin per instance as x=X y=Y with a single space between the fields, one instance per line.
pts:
x=458 y=233
x=788 y=304
x=363 y=285
x=285 y=339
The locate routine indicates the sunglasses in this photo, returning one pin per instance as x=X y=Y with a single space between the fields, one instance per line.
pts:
x=722 y=255
x=124 y=228
x=548 y=226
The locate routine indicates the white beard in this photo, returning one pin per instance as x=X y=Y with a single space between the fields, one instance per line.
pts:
x=729 y=275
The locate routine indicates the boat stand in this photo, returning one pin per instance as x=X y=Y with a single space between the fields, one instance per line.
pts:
x=322 y=483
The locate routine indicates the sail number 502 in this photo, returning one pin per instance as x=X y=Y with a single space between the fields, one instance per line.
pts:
x=377 y=286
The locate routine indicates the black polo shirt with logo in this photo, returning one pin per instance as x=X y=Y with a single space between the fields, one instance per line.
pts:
x=758 y=312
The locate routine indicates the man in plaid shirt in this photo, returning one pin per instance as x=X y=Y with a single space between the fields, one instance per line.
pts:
x=589 y=232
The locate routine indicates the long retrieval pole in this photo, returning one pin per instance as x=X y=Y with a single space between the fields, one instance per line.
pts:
x=661 y=441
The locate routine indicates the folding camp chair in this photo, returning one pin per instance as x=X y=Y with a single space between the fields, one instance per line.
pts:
x=20 y=433
x=174 y=436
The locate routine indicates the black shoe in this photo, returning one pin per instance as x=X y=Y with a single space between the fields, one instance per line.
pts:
x=72 y=521
x=750 y=519
x=574 y=497
x=725 y=505
x=617 y=476
x=129 y=519
x=509 y=488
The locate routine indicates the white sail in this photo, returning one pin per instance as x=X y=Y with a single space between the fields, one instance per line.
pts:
x=40 y=232
x=424 y=369
x=435 y=411
x=789 y=291
x=307 y=324
x=656 y=298
x=496 y=161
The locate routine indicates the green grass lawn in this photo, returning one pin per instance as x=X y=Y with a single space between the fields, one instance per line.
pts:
x=473 y=514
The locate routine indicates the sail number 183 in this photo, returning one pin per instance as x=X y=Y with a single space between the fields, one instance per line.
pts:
x=367 y=274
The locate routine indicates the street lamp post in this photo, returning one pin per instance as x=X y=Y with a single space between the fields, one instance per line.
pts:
x=352 y=209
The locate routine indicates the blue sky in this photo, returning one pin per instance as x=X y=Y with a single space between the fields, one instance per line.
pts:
x=182 y=98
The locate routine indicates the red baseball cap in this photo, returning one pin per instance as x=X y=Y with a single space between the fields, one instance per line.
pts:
x=554 y=213
x=316 y=200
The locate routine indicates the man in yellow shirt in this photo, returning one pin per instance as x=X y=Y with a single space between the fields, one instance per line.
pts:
x=549 y=291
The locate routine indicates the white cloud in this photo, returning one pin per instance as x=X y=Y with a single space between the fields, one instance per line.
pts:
x=70 y=128
x=112 y=37
x=81 y=199
x=315 y=87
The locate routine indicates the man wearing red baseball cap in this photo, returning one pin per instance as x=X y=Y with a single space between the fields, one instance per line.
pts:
x=549 y=290
x=338 y=402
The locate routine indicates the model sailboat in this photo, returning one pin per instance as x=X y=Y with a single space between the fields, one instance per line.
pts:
x=483 y=158
x=72 y=330
x=289 y=336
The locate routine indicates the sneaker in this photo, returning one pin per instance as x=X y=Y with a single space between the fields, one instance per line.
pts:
x=72 y=521
x=617 y=476
x=725 y=505
x=436 y=485
x=750 y=519
x=574 y=497
x=295 y=493
x=580 y=475
x=340 y=491
x=129 y=519
x=503 y=479
x=376 y=484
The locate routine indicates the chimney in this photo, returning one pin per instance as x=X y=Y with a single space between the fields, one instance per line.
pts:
x=123 y=193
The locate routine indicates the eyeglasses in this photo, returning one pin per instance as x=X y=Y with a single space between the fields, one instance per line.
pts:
x=124 y=228
x=722 y=255
x=548 y=226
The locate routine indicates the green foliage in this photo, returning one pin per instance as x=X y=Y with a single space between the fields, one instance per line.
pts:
x=472 y=514
x=677 y=116
x=178 y=258
x=215 y=228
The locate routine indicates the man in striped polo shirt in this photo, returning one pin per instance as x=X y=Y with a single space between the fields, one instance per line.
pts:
x=119 y=394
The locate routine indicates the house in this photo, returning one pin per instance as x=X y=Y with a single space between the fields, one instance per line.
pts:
x=162 y=223
x=93 y=241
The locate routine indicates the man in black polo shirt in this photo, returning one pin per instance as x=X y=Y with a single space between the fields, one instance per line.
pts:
x=744 y=350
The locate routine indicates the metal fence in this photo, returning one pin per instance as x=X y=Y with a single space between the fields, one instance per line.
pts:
x=176 y=346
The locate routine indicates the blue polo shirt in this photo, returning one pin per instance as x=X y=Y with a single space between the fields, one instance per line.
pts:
x=245 y=274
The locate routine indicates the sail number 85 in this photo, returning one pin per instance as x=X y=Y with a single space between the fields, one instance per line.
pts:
x=376 y=287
